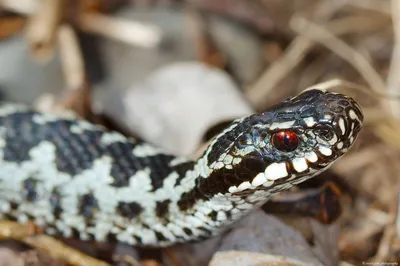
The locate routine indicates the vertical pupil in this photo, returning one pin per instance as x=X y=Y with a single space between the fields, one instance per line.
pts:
x=285 y=141
x=288 y=139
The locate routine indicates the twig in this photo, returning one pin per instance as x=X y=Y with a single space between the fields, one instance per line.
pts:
x=42 y=27
x=373 y=223
x=19 y=6
x=71 y=58
x=278 y=71
x=362 y=158
x=388 y=131
x=77 y=94
x=393 y=80
x=382 y=6
x=61 y=251
x=384 y=248
x=127 y=31
x=312 y=73
x=131 y=32
x=292 y=57
x=344 y=84
x=357 y=23
x=297 y=50
x=318 y=34
x=387 y=242
x=205 y=48
x=397 y=215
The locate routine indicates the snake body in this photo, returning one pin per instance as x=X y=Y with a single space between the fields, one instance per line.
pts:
x=76 y=179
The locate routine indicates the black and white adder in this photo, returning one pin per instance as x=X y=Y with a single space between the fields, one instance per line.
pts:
x=76 y=179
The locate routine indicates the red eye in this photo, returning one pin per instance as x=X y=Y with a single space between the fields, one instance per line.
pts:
x=285 y=140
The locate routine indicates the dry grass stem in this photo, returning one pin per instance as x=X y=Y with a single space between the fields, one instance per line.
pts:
x=205 y=49
x=127 y=31
x=299 y=48
x=382 y=6
x=20 y=6
x=293 y=56
x=278 y=71
x=398 y=216
x=393 y=81
x=383 y=253
x=387 y=130
x=61 y=251
x=71 y=58
x=357 y=23
x=387 y=242
x=362 y=158
x=42 y=28
x=14 y=230
x=318 y=34
x=368 y=228
x=336 y=84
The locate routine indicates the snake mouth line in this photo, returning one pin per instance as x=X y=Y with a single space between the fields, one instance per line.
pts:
x=275 y=172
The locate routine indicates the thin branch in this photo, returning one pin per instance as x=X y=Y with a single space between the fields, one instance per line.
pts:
x=42 y=27
x=293 y=56
x=382 y=6
x=393 y=80
x=318 y=34
x=71 y=58
x=127 y=31
x=20 y=6
x=59 y=250
x=296 y=51
x=397 y=215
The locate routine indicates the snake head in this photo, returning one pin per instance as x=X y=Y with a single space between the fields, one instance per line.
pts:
x=289 y=143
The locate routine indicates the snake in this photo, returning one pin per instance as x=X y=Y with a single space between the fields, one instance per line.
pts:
x=76 y=179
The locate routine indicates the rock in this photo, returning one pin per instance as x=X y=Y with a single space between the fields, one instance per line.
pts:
x=193 y=254
x=244 y=258
x=256 y=239
x=266 y=234
x=10 y=258
x=175 y=105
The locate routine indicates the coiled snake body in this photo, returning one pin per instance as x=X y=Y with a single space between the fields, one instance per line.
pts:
x=76 y=179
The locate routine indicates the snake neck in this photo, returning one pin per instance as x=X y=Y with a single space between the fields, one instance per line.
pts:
x=200 y=213
x=202 y=205
x=197 y=215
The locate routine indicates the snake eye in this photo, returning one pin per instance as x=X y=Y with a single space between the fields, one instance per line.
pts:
x=285 y=140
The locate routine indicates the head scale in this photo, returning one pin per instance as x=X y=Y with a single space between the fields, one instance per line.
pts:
x=285 y=145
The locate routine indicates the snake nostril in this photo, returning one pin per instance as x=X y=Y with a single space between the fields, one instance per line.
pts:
x=324 y=133
x=344 y=103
